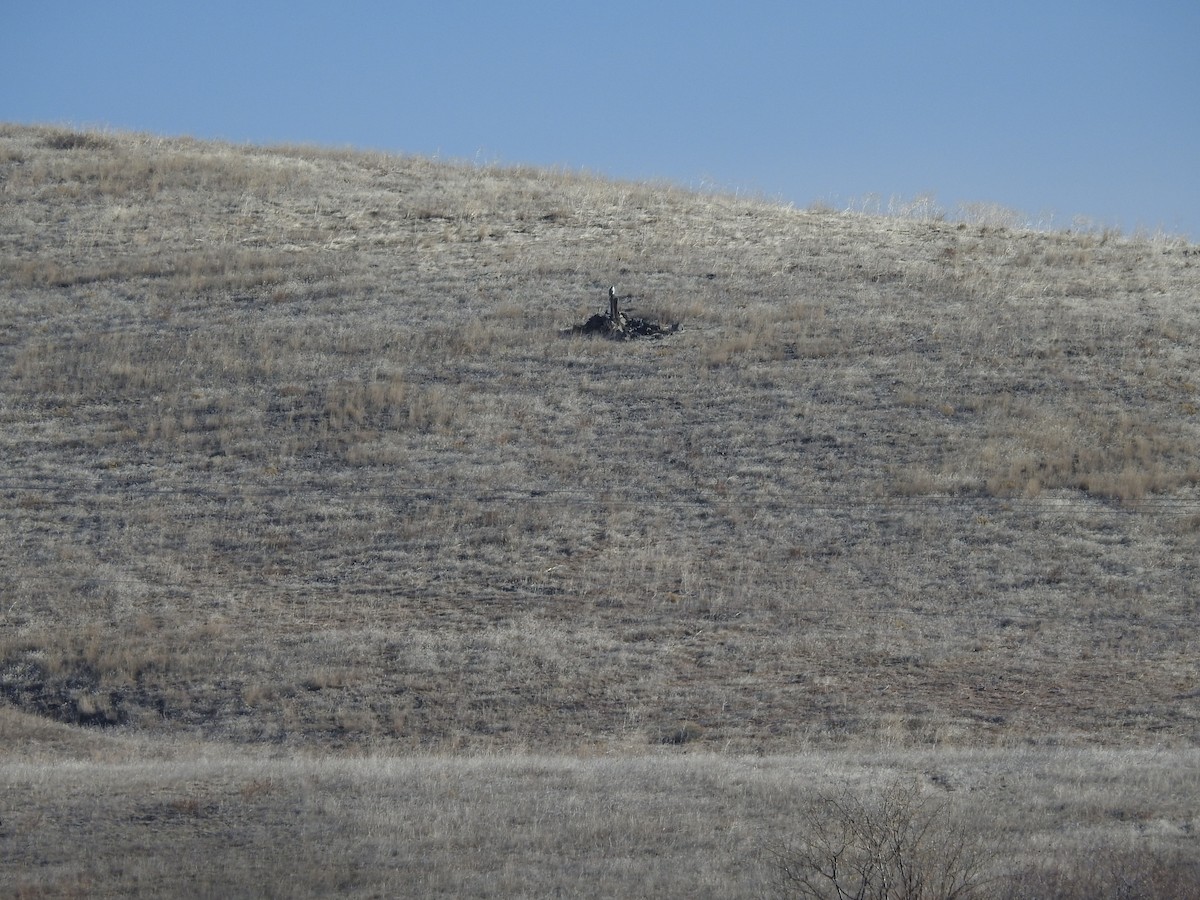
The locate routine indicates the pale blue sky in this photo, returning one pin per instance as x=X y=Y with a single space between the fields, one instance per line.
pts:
x=1058 y=109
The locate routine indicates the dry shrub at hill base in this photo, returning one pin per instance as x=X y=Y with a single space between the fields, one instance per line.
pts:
x=297 y=457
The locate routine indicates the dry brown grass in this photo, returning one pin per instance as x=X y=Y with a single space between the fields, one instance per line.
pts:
x=130 y=818
x=295 y=455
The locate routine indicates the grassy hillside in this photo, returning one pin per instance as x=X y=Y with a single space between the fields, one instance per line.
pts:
x=297 y=456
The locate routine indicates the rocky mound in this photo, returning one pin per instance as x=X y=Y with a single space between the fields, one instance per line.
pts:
x=617 y=326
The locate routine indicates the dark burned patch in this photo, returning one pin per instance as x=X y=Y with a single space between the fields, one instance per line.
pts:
x=623 y=328
x=617 y=326
x=75 y=697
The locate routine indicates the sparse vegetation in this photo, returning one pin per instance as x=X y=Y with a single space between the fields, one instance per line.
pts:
x=298 y=462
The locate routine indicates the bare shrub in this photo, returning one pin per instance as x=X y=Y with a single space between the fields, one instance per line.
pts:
x=900 y=845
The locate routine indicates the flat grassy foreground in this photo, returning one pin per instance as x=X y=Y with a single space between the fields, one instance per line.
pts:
x=110 y=816
x=316 y=531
